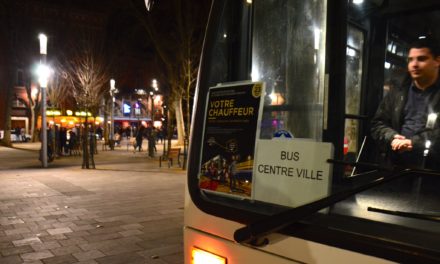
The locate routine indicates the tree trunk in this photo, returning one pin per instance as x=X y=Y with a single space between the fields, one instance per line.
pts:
x=85 y=145
x=6 y=28
x=105 y=124
x=170 y=127
x=180 y=122
x=33 y=132
x=188 y=113
x=88 y=146
x=7 y=134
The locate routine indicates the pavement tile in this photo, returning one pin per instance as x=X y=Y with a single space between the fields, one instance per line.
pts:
x=122 y=259
x=33 y=219
x=10 y=221
x=61 y=230
x=110 y=217
x=64 y=259
x=129 y=240
x=88 y=217
x=87 y=262
x=132 y=226
x=131 y=233
x=6 y=244
x=85 y=222
x=45 y=225
x=77 y=234
x=105 y=230
x=63 y=224
x=59 y=213
x=65 y=250
x=84 y=227
x=72 y=241
x=124 y=218
x=36 y=255
x=110 y=224
x=16 y=250
x=17 y=231
x=92 y=254
x=98 y=245
x=53 y=237
x=173 y=258
x=46 y=245
x=7 y=227
x=48 y=217
x=26 y=241
x=120 y=248
x=11 y=260
x=101 y=237
x=162 y=251
x=68 y=219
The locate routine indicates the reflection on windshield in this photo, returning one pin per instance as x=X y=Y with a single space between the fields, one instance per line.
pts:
x=288 y=50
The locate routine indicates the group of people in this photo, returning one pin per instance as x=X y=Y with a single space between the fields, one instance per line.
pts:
x=151 y=133
x=58 y=143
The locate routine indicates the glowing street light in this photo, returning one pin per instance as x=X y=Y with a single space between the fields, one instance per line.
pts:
x=43 y=72
x=155 y=86
x=43 y=44
x=113 y=90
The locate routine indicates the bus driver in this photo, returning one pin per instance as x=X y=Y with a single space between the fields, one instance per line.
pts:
x=406 y=121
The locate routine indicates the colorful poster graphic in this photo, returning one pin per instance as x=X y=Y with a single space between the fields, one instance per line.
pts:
x=232 y=119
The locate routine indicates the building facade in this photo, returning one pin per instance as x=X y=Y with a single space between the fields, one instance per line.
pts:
x=65 y=23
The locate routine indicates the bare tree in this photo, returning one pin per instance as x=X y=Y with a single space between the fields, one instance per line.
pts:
x=87 y=73
x=178 y=44
x=34 y=103
x=57 y=92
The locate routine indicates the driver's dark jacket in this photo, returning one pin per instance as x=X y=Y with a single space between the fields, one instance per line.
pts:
x=388 y=122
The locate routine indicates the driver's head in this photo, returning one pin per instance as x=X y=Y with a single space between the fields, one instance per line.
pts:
x=424 y=62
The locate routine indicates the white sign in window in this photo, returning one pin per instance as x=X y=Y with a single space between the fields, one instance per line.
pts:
x=292 y=172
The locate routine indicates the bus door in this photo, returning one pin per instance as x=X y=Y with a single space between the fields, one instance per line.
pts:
x=378 y=36
x=285 y=95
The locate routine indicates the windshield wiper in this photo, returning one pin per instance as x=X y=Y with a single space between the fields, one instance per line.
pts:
x=429 y=217
x=253 y=232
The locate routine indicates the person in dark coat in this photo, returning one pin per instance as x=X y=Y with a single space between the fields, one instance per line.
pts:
x=63 y=141
x=407 y=121
x=139 y=138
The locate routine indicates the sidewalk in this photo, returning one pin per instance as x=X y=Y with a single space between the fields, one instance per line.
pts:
x=122 y=157
x=127 y=210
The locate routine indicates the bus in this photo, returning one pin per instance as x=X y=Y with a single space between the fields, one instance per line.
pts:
x=281 y=165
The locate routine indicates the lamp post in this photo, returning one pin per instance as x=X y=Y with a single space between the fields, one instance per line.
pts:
x=152 y=106
x=155 y=89
x=43 y=72
x=112 y=94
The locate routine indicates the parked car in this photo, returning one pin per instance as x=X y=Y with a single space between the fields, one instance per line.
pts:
x=15 y=138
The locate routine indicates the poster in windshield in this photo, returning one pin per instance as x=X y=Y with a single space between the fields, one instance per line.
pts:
x=232 y=119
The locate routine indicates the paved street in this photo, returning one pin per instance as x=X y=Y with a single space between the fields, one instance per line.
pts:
x=127 y=210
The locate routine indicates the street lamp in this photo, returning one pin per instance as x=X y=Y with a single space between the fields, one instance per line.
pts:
x=155 y=86
x=112 y=94
x=43 y=72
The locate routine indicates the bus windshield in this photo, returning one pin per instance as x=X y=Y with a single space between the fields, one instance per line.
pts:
x=320 y=95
